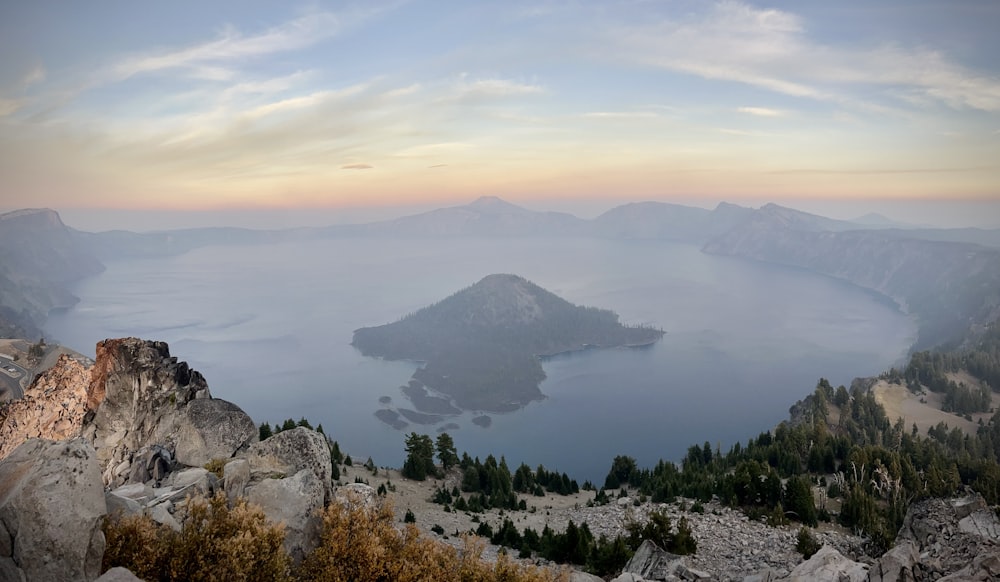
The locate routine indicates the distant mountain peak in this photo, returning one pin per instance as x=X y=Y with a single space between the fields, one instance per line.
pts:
x=45 y=215
x=503 y=299
x=493 y=204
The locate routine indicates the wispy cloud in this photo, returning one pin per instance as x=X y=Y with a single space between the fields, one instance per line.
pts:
x=356 y=167
x=772 y=49
x=9 y=106
x=621 y=115
x=495 y=87
x=761 y=111
x=206 y=59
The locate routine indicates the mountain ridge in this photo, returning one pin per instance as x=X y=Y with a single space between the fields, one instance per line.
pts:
x=45 y=257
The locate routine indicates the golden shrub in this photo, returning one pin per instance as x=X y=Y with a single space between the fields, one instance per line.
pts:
x=215 y=543
x=360 y=542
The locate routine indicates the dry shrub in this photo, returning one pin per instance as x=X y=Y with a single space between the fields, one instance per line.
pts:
x=216 y=466
x=215 y=543
x=360 y=542
x=138 y=543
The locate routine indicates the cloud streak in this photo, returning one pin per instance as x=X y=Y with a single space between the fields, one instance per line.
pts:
x=761 y=111
x=206 y=59
x=770 y=49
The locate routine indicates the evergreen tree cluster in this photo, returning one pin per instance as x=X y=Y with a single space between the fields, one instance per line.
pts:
x=874 y=466
x=577 y=545
x=930 y=369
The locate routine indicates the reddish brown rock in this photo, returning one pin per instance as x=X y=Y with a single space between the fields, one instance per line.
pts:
x=53 y=407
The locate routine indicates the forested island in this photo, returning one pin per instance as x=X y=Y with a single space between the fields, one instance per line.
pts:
x=482 y=345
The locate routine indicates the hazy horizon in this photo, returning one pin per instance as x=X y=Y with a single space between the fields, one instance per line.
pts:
x=933 y=214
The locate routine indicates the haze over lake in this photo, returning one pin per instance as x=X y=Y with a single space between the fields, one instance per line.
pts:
x=270 y=326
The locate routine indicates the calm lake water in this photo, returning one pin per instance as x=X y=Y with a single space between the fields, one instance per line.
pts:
x=270 y=328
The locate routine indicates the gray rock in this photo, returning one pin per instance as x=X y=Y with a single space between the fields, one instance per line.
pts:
x=687 y=573
x=150 y=463
x=122 y=506
x=118 y=575
x=767 y=575
x=9 y=572
x=137 y=491
x=354 y=494
x=985 y=567
x=235 y=477
x=161 y=515
x=294 y=501
x=150 y=400
x=51 y=505
x=578 y=576
x=652 y=562
x=196 y=480
x=982 y=523
x=829 y=564
x=628 y=577
x=896 y=565
x=290 y=451
x=212 y=429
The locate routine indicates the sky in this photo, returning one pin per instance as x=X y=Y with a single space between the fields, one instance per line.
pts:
x=339 y=111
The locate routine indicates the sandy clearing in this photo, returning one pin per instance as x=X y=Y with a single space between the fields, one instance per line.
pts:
x=898 y=402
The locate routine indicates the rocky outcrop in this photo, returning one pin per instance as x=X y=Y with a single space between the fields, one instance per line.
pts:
x=955 y=537
x=828 y=564
x=294 y=501
x=53 y=407
x=51 y=505
x=289 y=452
x=152 y=400
x=652 y=563
x=899 y=564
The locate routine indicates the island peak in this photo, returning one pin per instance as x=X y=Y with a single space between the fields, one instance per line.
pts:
x=481 y=345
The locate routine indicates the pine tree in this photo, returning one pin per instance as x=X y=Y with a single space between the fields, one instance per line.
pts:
x=446 y=451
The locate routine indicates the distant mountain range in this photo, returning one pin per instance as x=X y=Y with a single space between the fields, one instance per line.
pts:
x=947 y=278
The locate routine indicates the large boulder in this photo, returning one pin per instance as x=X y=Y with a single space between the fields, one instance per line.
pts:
x=652 y=562
x=148 y=399
x=51 y=505
x=294 y=501
x=951 y=534
x=235 y=476
x=829 y=565
x=290 y=451
x=118 y=575
x=900 y=564
x=985 y=567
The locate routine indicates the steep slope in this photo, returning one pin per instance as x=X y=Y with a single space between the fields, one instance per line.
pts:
x=950 y=287
x=40 y=259
x=481 y=344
